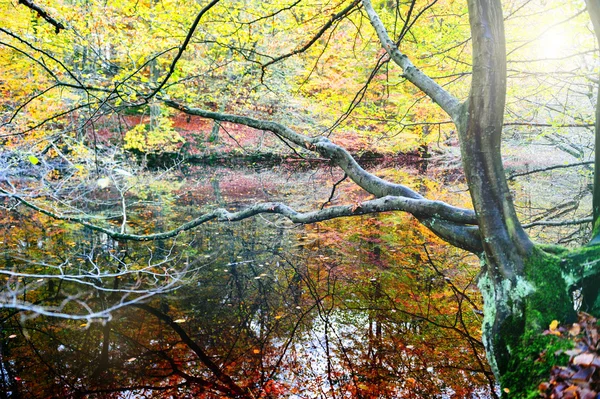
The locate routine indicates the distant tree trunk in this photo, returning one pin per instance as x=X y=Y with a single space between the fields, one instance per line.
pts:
x=593 y=8
x=214 y=133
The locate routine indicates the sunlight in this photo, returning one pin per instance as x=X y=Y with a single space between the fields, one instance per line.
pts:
x=554 y=43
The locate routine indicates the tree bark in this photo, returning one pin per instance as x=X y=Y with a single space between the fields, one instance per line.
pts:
x=593 y=8
x=506 y=245
x=524 y=288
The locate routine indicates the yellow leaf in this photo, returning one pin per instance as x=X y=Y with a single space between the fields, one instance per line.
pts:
x=553 y=325
x=33 y=159
x=179 y=321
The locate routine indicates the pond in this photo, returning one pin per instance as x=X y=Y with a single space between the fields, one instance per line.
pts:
x=369 y=307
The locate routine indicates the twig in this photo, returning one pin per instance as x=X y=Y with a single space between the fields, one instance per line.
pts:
x=558 y=222
x=333 y=190
x=57 y=25
x=571 y=165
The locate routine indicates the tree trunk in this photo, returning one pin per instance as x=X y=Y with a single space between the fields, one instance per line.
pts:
x=506 y=246
x=593 y=8
x=524 y=287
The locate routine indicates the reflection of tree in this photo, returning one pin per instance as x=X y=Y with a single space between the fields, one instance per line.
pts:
x=404 y=301
x=269 y=324
x=224 y=385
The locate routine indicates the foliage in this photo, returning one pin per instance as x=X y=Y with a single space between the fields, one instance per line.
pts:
x=159 y=137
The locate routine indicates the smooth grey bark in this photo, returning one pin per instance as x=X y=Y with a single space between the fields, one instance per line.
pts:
x=421 y=208
x=458 y=233
x=479 y=121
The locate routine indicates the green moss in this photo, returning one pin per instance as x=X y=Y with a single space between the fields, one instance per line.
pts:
x=544 y=296
x=531 y=362
x=541 y=295
x=509 y=337
x=552 y=298
x=595 y=233
x=553 y=249
x=553 y=277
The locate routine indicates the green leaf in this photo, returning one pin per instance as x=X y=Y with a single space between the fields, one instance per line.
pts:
x=33 y=159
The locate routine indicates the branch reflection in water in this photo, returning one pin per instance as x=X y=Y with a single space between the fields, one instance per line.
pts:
x=259 y=308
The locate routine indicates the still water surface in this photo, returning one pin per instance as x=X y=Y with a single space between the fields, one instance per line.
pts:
x=371 y=307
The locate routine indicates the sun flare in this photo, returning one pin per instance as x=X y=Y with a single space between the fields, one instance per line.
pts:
x=554 y=43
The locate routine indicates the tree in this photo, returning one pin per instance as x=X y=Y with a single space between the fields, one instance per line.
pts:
x=525 y=285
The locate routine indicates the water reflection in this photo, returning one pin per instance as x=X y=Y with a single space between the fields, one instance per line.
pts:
x=367 y=307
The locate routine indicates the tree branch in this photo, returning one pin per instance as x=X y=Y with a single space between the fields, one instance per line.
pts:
x=57 y=25
x=367 y=181
x=450 y=230
x=333 y=191
x=332 y=20
x=449 y=103
x=182 y=48
x=558 y=222
x=421 y=208
x=553 y=167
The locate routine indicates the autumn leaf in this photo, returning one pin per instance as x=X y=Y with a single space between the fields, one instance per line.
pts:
x=585 y=359
x=574 y=330
x=355 y=206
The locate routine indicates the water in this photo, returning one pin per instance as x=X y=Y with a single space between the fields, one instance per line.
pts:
x=370 y=307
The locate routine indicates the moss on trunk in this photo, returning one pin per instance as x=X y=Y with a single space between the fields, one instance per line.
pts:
x=523 y=355
x=531 y=363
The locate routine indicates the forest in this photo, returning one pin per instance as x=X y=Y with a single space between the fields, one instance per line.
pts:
x=290 y=199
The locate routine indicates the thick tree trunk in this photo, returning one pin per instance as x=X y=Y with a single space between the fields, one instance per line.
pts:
x=506 y=246
x=524 y=287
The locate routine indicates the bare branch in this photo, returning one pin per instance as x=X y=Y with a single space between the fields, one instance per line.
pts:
x=89 y=315
x=369 y=182
x=333 y=190
x=450 y=230
x=332 y=20
x=182 y=48
x=421 y=208
x=558 y=222
x=553 y=167
x=57 y=25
